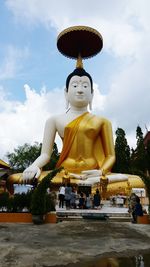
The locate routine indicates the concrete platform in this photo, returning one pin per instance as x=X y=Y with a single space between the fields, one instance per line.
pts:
x=113 y=213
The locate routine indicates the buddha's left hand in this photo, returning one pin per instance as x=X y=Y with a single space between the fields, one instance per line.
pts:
x=92 y=173
x=87 y=174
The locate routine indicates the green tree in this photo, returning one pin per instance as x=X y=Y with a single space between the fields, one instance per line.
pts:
x=122 y=151
x=139 y=157
x=25 y=155
x=53 y=160
x=40 y=203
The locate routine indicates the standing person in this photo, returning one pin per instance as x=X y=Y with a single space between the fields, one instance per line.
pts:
x=61 y=196
x=88 y=201
x=73 y=199
x=68 y=191
x=132 y=202
x=97 y=199
x=81 y=201
x=137 y=211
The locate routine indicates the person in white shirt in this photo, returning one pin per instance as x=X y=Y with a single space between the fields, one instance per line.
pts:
x=61 y=196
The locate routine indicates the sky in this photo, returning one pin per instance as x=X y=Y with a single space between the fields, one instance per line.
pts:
x=33 y=72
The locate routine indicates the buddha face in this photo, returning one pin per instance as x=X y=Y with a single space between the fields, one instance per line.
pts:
x=79 y=91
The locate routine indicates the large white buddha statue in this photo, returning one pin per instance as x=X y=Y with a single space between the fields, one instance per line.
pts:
x=88 y=148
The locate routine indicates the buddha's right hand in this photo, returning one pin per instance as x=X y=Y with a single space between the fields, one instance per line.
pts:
x=31 y=172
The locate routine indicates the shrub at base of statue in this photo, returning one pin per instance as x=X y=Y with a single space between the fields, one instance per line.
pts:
x=42 y=202
x=15 y=203
x=38 y=206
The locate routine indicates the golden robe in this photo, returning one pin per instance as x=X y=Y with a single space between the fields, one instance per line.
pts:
x=88 y=144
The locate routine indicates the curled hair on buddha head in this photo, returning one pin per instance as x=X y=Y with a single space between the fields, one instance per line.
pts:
x=79 y=72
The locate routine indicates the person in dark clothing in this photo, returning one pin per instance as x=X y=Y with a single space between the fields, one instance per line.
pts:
x=82 y=201
x=68 y=191
x=137 y=211
x=132 y=202
x=97 y=199
x=73 y=199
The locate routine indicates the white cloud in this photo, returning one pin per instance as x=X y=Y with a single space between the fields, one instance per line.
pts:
x=24 y=122
x=124 y=112
x=98 y=100
x=11 y=64
x=129 y=94
x=120 y=22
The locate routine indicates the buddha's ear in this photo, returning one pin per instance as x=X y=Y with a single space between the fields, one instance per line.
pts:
x=90 y=103
x=66 y=97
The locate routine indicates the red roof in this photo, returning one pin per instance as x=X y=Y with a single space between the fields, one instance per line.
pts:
x=147 y=138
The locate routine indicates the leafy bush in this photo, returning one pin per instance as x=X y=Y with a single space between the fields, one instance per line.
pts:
x=15 y=203
x=40 y=201
x=50 y=203
x=21 y=201
x=37 y=201
x=4 y=198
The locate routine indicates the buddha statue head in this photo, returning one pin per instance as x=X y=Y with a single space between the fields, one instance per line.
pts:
x=79 y=89
x=79 y=72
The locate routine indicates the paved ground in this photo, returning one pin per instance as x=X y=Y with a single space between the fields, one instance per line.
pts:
x=26 y=245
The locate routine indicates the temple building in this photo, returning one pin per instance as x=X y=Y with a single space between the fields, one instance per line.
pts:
x=4 y=173
x=147 y=138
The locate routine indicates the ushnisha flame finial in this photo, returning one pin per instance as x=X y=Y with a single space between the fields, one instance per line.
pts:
x=79 y=64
